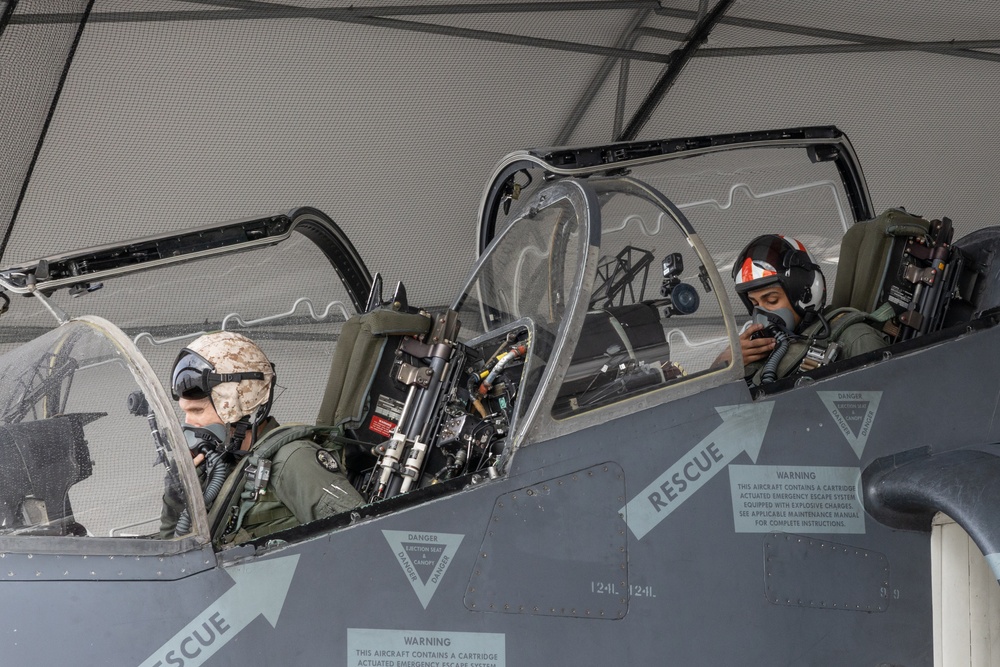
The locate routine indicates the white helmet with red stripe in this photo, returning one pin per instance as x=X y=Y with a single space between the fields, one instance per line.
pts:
x=772 y=258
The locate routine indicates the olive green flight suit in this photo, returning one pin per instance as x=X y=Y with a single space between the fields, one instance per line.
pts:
x=852 y=333
x=307 y=482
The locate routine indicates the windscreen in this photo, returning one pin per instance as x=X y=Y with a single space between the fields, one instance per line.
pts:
x=83 y=451
x=654 y=318
x=531 y=273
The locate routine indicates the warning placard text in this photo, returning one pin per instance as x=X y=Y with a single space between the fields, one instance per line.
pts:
x=801 y=499
x=416 y=648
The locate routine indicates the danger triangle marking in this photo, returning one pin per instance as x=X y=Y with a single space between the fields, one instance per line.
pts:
x=424 y=557
x=854 y=414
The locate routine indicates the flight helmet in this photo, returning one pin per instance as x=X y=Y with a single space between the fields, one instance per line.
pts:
x=231 y=370
x=773 y=258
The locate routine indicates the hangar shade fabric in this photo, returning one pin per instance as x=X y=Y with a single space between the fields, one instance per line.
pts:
x=389 y=117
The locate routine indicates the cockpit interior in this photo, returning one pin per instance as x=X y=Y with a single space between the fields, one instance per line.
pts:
x=603 y=287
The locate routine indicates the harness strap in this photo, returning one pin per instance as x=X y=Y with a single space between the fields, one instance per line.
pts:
x=821 y=353
x=256 y=473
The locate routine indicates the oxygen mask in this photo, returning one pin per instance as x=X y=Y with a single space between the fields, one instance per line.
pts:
x=774 y=321
x=778 y=324
x=204 y=439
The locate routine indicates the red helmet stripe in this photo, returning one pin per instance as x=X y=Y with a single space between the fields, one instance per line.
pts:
x=789 y=239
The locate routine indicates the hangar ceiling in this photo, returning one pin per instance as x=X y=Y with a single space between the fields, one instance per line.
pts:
x=389 y=115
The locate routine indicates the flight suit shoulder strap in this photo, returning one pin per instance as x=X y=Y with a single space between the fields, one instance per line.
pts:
x=278 y=437
x=281 y=441
x=806 y=347
x=842 y=318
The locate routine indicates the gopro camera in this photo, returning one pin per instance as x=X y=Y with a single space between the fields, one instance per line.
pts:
x=681 y=298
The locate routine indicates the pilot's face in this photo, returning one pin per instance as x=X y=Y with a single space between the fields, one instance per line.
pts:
x=199 y=412
x=772 y=297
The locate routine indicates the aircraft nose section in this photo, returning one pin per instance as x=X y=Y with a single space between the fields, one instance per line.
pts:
x=905 y=490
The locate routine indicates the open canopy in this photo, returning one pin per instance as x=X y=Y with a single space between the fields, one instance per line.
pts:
x=388 y=116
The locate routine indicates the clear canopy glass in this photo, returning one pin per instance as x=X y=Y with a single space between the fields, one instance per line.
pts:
x=88 y=442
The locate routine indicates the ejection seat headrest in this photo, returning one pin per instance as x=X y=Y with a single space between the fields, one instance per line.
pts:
x=864 y=257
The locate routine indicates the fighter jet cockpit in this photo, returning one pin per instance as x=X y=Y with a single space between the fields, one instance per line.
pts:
x=603 y=287
x=674 y=215
x=91 y=440
x=558 y=318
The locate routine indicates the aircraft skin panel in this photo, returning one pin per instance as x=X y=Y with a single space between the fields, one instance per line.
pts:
x=720 y=526
x=556 y=577
x=383 y=582
x=103 y=567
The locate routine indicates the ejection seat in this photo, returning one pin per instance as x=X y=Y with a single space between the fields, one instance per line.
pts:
x=360 y=397
x=867 y=252
x=903 y=271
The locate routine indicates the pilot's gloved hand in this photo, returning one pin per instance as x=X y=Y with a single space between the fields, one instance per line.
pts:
x=755 y=349
x=173 y=504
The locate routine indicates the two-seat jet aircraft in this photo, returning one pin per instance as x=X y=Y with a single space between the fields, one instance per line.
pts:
x=557 y=468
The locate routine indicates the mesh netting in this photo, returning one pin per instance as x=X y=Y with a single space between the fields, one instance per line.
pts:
x=921 y=118
x=180 y=113
x=32 y=64
x=177 y=114
x=199 y=121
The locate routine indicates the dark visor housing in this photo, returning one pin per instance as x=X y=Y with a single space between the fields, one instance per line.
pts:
x=194 y=376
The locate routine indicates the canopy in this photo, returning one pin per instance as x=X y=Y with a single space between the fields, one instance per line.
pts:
x=389 y=117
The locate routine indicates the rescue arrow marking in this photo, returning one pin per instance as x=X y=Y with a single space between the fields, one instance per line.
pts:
x=260 y=588
x=742 y=430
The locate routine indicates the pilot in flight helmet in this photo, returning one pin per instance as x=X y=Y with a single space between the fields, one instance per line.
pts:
x=772 y=258
x=231 y=370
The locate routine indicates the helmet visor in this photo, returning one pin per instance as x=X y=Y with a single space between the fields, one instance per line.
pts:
x=763 y=257
x=190 y=378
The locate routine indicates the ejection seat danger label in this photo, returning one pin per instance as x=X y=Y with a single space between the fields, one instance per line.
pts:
x=801 y=499
x=417 y=648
